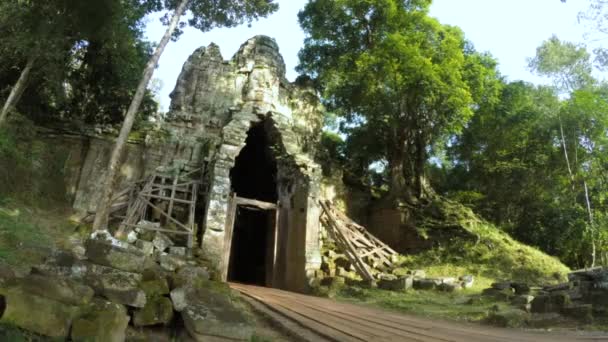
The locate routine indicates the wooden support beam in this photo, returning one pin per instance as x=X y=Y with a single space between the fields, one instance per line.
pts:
x=255 y=203
x=158 y=229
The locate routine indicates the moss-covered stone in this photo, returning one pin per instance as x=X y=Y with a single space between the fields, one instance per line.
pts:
x=512 y=318
x=158 y=310
x=126 y=259
x=38 y=314
x=156 y=287
x=553 y=302
x=117 y=286
x=60 y=289
x=103 y=321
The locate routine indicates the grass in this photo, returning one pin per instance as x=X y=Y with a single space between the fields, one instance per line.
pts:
x=465 y=305
x=28 y=234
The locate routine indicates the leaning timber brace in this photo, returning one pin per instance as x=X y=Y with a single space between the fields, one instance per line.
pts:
x=367 y=254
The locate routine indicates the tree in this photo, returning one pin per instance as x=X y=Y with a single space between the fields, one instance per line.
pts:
x=395 y=73
x=206 y=14
x=570 y=68
x=54 y=43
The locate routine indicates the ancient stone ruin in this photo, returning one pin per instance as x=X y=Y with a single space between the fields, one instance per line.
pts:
x=246 y=135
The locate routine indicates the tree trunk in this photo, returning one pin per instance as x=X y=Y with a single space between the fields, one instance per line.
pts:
x=17 y=90
x=103 y=206
x=591 y=224
x=563 y=141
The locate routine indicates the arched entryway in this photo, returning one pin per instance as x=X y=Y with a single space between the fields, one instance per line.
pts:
x=253 y=207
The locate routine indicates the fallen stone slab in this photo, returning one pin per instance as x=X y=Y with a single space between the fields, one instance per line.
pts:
x=103 y=321
x=116 y=285
x=38 y=314
x=127 y=259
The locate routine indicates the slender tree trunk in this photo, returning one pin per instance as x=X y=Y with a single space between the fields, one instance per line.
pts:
x=591 y=224
x=563 y=138
x=17 y=90
x=103 y=207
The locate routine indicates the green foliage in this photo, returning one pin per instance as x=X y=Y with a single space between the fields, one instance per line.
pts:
x=510 y=165
x=88 y=57
x=21 y=242
x=567 y=63
x=400 y=79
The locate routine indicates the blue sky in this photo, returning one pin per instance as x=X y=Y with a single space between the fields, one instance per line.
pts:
x=509 y=29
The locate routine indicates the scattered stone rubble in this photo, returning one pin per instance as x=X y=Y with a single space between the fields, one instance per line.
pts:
x=583 y=297
x=118 y=291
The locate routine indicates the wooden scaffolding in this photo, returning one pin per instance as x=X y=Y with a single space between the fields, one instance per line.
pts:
x=164 y=202
x=366 y=253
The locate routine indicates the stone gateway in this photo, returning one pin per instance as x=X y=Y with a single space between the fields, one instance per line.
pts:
x=254 y=134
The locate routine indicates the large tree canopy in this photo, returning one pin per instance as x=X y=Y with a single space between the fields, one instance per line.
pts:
x=390 y=70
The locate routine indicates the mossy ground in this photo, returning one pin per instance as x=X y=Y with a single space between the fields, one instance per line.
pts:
x=480 y=249
x=28 y=234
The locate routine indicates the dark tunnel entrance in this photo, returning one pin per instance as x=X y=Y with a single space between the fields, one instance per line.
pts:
x=253 y=244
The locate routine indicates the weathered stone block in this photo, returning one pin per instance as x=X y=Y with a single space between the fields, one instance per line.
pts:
x=158 y=310
x=179 y=251
x=126 y=259
x=117 y=286
x=154 y=288
x=401 y=284
x=162 y=242
x=38 y=314
x=146 y=247
x=424 y=284
x=103 y=321
x=553 y=302
x=171 y=262
x=60 y=289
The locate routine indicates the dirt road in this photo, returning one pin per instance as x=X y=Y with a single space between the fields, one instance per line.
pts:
x=319 y=319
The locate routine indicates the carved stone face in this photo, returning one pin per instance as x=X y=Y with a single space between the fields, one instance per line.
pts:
x=262 y=86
